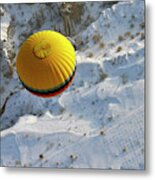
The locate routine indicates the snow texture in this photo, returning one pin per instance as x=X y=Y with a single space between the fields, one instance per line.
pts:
x=98 y=122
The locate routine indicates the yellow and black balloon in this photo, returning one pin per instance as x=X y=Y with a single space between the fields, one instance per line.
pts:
x=46 y=63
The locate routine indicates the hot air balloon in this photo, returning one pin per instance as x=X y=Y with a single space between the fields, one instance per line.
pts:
x=46 y=63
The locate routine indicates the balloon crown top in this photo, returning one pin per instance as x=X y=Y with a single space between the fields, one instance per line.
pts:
x=42 y=49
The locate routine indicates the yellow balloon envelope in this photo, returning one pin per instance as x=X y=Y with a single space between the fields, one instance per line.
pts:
x=46 y=63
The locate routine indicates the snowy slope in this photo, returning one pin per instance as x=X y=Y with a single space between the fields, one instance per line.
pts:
x=99 y=121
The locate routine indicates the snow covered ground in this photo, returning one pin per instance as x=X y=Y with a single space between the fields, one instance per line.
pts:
x=98 y=122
